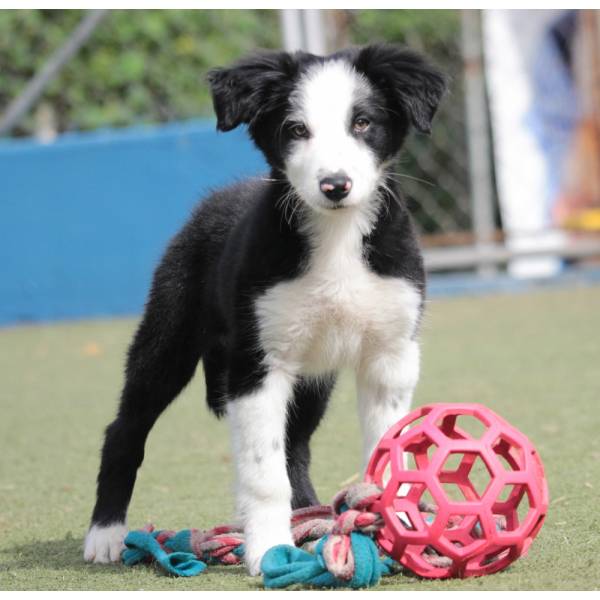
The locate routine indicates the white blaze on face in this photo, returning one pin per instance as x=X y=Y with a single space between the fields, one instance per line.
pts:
x=324 y=102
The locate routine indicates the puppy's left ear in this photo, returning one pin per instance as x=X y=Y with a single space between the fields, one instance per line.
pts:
x=411 y=84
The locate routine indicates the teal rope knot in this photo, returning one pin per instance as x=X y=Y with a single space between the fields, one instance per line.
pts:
x=283 y=566
x=345 y=554
x=142 y=545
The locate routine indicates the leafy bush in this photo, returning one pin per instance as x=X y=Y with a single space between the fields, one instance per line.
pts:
x=138 y=66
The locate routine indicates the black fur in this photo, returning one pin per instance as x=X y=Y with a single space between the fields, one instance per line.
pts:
x=237 y=244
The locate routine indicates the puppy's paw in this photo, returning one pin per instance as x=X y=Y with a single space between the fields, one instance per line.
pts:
x=257 y=546
x=104 y=544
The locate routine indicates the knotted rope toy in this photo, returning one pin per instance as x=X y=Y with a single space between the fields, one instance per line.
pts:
x=386 y=523
x=334 y=546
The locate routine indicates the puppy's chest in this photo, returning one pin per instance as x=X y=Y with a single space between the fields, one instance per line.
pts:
x=334 y=314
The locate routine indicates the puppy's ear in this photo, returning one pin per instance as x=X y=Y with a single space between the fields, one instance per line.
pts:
x=411 y=84
x=251 y=87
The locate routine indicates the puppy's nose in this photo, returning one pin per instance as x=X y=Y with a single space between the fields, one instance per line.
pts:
x=336 y=186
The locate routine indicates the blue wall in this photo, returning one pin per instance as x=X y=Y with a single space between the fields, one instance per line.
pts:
x=84 y=220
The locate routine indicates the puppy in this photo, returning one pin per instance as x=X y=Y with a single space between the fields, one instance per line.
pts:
x=276 y=283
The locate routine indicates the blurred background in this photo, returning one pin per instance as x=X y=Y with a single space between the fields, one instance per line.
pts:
x=107 y=140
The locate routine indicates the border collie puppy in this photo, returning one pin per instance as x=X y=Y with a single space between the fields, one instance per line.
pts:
x=276 y=283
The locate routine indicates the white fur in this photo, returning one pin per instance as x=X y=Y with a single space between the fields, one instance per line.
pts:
x=104 y=544
x=263 y=489
x=338 y=313
x=324 y=103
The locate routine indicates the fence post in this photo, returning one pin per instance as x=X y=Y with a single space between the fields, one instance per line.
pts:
x=478 y=141
x=291 y=29
x=303 y=29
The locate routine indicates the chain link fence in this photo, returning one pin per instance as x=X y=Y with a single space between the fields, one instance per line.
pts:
x=433 y=170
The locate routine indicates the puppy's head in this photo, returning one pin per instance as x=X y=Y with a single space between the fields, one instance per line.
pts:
x=330 y=124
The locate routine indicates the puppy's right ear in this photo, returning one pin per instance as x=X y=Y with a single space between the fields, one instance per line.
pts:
x=251 y=88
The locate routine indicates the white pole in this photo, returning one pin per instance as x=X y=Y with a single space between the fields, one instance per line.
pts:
x=480 y=169
x=292 y=30
x=314 y=31
x=303 y=30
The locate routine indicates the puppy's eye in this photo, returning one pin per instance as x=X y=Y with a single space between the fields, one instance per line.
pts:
x=361 y=124
x=299 y=131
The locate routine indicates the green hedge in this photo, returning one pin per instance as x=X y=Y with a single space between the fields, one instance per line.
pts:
x=148 y=65
x=139 y=66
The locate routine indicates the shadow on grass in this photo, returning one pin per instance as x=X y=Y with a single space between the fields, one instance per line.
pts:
x=49 y=554
x=67 y=555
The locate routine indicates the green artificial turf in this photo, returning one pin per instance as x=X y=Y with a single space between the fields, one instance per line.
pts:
x=533 y=358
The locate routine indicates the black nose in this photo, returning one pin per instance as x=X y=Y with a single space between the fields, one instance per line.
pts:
x=336 y=187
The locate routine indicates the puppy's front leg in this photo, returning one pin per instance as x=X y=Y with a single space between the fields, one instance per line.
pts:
x=258 y=422
x=385 y=383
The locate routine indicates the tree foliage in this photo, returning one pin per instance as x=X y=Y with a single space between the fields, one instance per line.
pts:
x=148 y=65
x=139 y=65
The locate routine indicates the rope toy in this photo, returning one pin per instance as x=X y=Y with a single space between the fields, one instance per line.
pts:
x=187 y=552
x=383 y=525
x=334 y=546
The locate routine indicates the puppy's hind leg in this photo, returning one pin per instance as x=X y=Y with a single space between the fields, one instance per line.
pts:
x=311 y=396
x=161 y=361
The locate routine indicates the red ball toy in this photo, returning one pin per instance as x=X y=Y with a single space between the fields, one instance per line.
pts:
x=464 y=491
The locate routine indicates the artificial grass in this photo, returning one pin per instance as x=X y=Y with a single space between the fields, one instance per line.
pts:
x=532 y=358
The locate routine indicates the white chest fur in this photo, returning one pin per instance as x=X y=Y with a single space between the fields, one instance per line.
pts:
x=338 y=312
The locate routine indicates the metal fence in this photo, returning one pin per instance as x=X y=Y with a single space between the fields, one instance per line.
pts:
x=435 y=172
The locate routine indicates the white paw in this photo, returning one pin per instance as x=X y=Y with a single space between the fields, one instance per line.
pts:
x=104 y=544
x=256 y=546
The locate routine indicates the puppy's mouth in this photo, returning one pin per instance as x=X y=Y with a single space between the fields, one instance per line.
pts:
x=329 y=207
x=336 y=206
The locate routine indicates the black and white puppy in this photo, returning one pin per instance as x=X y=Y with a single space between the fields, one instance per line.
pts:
x=276 y=283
